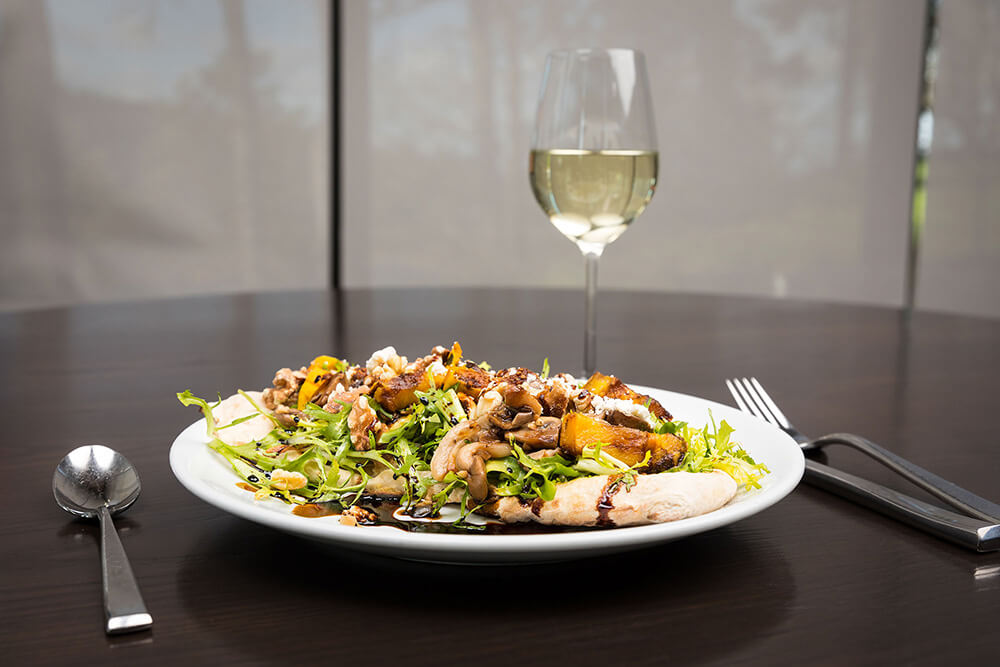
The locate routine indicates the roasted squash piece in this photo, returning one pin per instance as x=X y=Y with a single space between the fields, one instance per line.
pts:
x=628 y=445
x=467 y=380
x=399 y=392
x=609 y=386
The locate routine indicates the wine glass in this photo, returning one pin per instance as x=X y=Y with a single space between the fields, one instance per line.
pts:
x=593 y=155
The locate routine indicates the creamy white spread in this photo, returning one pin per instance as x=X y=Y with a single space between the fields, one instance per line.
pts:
x=605 y=406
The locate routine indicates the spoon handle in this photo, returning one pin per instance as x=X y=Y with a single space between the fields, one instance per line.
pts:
x=123 y=606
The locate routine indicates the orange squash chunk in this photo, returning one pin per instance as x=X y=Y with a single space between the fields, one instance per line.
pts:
x=628 y=445
x=399 y=392
x=467 y=380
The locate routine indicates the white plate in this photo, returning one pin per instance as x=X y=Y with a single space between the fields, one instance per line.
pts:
x=209 y=476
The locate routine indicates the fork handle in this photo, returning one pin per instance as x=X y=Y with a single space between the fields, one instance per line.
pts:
x=960 y=529
x=948 y=492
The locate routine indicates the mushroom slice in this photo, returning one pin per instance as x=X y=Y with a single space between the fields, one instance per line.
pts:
x=443 y=460
x=471 y=458
x=619 y=418
x=462 y=452
x=543 y=432
x=519 y=408
x=519 y=398
x=506 y=419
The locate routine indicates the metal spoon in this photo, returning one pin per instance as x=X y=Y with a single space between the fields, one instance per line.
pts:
x=95 y=481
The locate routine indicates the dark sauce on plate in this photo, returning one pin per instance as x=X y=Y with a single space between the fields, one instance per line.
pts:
x=385 y=510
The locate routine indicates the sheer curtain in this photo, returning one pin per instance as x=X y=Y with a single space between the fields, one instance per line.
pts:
x=152 y=148
x=168 y=147
x=786 y=144
x=959 y=267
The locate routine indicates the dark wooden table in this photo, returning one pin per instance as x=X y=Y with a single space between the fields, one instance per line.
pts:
x=814 y=579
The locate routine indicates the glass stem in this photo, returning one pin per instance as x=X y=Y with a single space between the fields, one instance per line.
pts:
x=590 y=314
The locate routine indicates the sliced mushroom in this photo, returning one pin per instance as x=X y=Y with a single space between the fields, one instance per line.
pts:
x=443 y=460
x=622 y=419
x=506 y=419
x=519 y=408
x=465 y=449
x=462 y=452
x=520 y=398
x=542 y=432
x=470 y=458
x=327 y=386
x=497 y=450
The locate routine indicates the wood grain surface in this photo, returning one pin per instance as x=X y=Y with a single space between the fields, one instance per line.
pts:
x=813 y=580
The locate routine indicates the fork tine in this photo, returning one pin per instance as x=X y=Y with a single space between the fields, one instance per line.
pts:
x=775 y=410
x=754 y=409
x=762 y=410
x=736 y=397
x=752 y=392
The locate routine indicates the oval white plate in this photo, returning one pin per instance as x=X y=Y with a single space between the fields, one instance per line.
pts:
x=207 y=475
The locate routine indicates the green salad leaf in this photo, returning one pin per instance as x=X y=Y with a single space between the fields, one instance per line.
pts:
x=712 y=448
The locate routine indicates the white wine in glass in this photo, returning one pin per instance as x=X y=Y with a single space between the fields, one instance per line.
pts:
x=593 y=160
x=592 y=196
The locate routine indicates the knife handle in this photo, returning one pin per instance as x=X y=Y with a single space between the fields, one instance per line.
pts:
x=969 y=532
x=946 y=491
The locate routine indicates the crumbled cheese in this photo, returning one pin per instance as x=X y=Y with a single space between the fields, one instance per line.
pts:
x=566 y=382
x=385 y=363
x=534 y=384
x=437 y=368
x=603 y=406
x=567 y=378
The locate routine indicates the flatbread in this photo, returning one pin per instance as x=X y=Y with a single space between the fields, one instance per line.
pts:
x=652 y=499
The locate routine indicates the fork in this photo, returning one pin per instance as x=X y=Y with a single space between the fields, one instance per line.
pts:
x=751 y=397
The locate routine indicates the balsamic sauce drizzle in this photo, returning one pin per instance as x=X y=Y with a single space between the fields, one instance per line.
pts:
x=604 y=504
x=385 y=509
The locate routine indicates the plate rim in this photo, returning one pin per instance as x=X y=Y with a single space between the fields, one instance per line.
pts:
x=387 y=538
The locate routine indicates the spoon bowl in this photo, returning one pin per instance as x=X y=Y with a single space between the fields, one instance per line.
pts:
x=95 y=481
x=92 y=477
